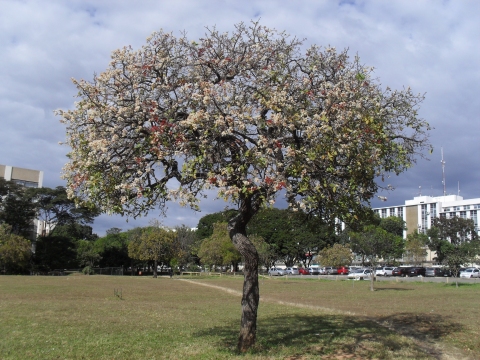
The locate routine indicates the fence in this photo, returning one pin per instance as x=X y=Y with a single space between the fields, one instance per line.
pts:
x=94 y=271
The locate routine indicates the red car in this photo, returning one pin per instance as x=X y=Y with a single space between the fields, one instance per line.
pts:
x=303 y=271
x=342 y=270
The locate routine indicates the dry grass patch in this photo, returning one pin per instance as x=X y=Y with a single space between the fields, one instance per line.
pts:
x=429 y=312
x=79 y=317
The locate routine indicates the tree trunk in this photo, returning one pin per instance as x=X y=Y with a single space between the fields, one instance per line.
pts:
x=372 y=278
x=155 y=265
x=251 y=294
x=250 y=300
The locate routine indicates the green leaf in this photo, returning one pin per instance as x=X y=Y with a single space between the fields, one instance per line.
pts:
x=360 y=77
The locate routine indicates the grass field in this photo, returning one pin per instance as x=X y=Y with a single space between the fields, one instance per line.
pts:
x=79 y=317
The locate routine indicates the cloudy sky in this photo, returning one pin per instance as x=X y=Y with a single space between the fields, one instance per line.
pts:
x=431 y=46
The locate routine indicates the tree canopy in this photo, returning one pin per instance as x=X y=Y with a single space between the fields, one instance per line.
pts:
x=15 y=251
x=292 y=235
x=17 y=208
x=250 y=114
x=455 y=241
x=206 y=223
x=393 y=224
x=188 y=242
x=372 y=244
x=218 y=248
x=56 y=209
x=337 y=255
x=155 y=244
x=415 y=246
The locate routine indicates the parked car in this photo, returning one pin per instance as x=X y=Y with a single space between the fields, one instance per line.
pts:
x=470 y=273
x=342 y=270
x=384 y=271
x=303 y=271
x=435 y=271
x=322 y=271
x=353 y=273
x=330 y=270
x=360 y=274
x=416 y=271
x=314 y=270
x=275 y=272
x=291 y=271
x=462 y=269
x=400 y=271
x=448 y=272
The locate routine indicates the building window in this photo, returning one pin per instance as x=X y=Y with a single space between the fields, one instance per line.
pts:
x=463 y=214
x=433 y=213
x=466 y=207
x=424 y=218
x=384 y=213
x=392 y=211
x=443 y=215
x=452 y=215
x=400 y=212
x=457 y=208
x=29 y=184
x=446 y=209
x=473 y=216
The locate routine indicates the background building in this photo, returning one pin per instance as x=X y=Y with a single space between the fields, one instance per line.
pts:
x=27 y=178
x=419 y=213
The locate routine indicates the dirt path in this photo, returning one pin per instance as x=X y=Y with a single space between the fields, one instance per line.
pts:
x=438 y=350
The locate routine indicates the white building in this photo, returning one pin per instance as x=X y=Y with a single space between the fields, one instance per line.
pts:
x=419 y=213
x=24 y=177
x=27 y=178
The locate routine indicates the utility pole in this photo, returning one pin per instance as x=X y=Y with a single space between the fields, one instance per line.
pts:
x=443 y=175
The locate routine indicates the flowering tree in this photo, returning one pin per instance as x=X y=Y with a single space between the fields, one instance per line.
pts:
x=249 y=113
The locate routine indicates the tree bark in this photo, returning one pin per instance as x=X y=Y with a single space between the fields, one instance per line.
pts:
x=372 y=277
x=155 y=265
x=251 y=294
x=250 y=298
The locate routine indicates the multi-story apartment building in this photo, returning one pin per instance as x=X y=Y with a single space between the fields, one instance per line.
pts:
x=419 y=213
x=27 y=178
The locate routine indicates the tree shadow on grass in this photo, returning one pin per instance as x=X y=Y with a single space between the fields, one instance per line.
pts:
x=298 y=336
x=424 y=327
x=393 y=289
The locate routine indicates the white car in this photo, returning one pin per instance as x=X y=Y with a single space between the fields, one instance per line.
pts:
x=384 y=271
x=322 y=271
x=275 y=272
x=291 y=271
x=360 y=274
x=470 y=273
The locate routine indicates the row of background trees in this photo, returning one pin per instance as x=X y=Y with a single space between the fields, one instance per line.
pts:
x=289 y=237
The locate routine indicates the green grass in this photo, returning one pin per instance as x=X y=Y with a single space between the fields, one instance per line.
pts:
x=79 y=317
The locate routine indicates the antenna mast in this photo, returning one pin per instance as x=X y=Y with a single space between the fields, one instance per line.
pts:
x=443 y=175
